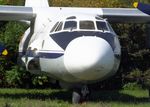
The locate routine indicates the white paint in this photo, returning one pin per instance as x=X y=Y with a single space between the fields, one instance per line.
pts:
x=36 y=3
x=89 y=58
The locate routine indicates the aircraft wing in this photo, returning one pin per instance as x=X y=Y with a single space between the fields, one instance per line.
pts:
x=125 y=15
x=116 y=15
x=16 y=13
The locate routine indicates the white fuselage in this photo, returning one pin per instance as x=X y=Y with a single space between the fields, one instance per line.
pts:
x=70 y=45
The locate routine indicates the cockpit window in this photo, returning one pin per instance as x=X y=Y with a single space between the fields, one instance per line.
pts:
x=111 y=29
x=101 y=26
x=87 y=25
x=59 y=27
x=70 y=25
x=98 y=18
x=71 y=17
x=54 y=27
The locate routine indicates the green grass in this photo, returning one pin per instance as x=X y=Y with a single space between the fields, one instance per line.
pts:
x=62 y=98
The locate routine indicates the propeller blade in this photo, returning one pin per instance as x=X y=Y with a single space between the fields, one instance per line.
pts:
x=3 y=51
x=145 y=8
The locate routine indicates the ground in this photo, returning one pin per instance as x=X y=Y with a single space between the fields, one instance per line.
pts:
x=62 y=98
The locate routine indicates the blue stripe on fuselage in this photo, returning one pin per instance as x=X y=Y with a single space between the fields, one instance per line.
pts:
x=64 y=38
x=51 y=55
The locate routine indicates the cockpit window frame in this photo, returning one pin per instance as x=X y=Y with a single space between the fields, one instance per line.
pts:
x=71 y=17
x=110 y=28
x=54 y=27
x=86 y=27
x=59 y=26
x=102 y=27
x=71 y=27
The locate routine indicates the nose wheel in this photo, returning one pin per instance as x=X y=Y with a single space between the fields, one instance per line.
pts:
x=80 y=95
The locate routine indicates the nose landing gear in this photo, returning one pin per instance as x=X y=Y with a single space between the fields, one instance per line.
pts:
x=80 y=95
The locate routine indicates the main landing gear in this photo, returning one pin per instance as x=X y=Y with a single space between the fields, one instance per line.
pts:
x=80 y=95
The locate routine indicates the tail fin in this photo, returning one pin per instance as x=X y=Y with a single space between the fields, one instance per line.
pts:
x=145 y=8
x=36 y=3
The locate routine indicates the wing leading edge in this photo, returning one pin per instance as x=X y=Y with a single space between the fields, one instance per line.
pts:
x=16 y=13
x=125 y=15
x=113 y=15
x=117 y=15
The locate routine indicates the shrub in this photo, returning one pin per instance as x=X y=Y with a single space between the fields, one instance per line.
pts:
x=132 y=86
x=146 y=79
x=13 y=77
x=40 y=80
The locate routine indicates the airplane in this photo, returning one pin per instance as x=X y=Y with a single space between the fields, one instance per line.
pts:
x=75 y=46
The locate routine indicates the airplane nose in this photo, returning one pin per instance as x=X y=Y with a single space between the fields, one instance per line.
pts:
x=89 y=58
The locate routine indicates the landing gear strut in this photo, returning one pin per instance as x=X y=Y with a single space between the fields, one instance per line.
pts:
x=80 y=95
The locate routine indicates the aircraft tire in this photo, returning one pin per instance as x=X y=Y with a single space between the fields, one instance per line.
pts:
x=76 y=97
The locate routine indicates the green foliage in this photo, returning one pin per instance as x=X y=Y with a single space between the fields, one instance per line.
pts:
x=11 y=2
x=40 y=80
x=3 y=2
x=19 y=77
x=9 y=35
x=94 y=3
x=1 y=72
x=132 y=86
x=12 y=33
x=87 y=3
x=146 y=79
x=134 y=75
x=62 y=98
x=13 y=77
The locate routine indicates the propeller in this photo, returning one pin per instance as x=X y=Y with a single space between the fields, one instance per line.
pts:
x=145 y=8
x=3 y=50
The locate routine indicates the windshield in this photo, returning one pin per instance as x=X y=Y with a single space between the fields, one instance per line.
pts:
x=59 y=27
x=101 y=26
x=82 y=25
x=70 y=25
x=87 y=25
x=52 y=30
